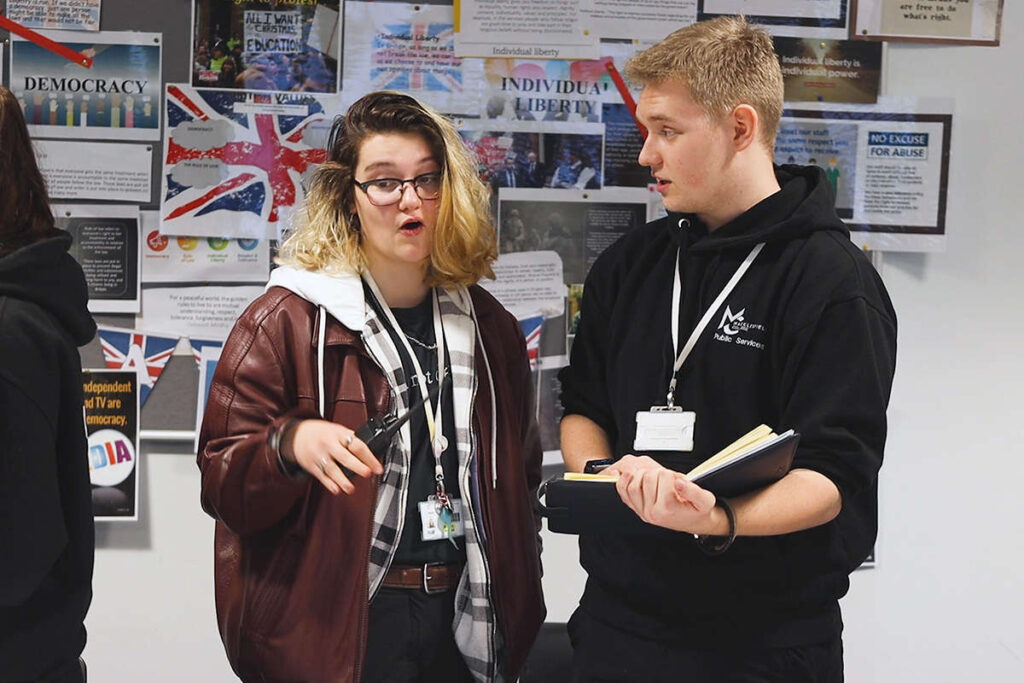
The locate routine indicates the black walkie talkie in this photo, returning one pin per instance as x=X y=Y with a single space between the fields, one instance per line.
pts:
x=378 y=432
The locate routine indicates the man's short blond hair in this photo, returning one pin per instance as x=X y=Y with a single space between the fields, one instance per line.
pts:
x=724 y=62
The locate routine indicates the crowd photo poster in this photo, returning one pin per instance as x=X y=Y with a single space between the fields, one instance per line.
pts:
x=281 y=45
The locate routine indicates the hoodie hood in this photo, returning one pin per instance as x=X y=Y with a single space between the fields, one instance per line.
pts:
x=804 y=204
x=341 y=294
x=46 y=274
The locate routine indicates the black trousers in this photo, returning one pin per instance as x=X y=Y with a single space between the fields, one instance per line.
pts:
x=411 y=640
x=605 y=654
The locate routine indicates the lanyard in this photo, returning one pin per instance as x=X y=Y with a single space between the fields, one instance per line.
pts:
x=712 y=309
x=435 y=424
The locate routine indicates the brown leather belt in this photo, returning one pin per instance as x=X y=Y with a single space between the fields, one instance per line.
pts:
x=429 y=578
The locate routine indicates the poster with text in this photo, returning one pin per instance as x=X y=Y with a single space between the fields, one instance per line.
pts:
x=553 y=155
x=236 y=163
x=888 y=165
x=639 y=19
x=815 y=70
x=555 y=29
x=283 y=45
x=112 y=424
x=545 y=90
x=967 y=22
x=186 y=258
x=111 y=171
x=200 y=312
x=118 y=98
x=578 y=226
x=410 y=48
x=800 y=18
x=105 y=242
x=622 y=145
x=67 y=15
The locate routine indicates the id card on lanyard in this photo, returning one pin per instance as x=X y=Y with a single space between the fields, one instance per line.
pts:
x=669 y=427
x=443 y=513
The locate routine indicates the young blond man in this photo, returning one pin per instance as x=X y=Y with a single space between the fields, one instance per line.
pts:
x=748 y=587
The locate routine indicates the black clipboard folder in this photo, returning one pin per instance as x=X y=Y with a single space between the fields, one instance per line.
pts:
x=594 y=507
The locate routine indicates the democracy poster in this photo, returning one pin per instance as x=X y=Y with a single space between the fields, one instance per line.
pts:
x=283 y=45
x=117 y=99
x=111 y=407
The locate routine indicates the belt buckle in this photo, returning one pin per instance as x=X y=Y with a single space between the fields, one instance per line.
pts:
x=427 y=588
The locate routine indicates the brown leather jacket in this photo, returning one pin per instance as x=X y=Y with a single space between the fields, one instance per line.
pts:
x=291 y=559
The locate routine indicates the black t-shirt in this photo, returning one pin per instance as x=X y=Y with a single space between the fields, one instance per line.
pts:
x=417 y=324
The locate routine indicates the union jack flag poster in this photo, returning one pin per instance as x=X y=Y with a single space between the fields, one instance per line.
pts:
x=411 y=48
x=234 y=162
x=531 y=330
x=147 y=354
x=199 y=344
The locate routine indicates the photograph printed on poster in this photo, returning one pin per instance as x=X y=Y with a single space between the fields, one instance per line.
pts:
x=545 y=89
x=577 y=228
x=111 y=406
x=280 y=45
x=117 y=99
x=524 y=155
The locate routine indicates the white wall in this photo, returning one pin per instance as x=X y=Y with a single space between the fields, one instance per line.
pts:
x=945 y=600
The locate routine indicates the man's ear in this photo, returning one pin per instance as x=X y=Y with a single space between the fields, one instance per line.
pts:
x=744 y=122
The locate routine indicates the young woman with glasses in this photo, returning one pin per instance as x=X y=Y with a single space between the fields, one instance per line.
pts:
x=413 y=555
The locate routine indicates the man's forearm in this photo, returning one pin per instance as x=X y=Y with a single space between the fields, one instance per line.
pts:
x=582 y=440
x=801 y=500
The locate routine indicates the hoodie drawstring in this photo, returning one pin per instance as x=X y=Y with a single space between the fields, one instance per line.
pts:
x=494 y=401
x=321 y=335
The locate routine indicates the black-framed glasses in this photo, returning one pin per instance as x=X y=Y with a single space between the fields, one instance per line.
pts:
x=387 y=191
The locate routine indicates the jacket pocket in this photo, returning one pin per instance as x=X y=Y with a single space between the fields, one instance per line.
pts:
x=270 y=583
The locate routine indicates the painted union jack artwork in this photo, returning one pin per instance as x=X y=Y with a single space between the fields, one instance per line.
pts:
x=235 y=162
x=531 y=330
x=147 y=354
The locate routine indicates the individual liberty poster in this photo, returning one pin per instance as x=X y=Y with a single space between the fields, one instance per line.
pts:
x=800 y=18
x=68 y=15
x=411 y=48
x=284 y=45
x=118 y=98
x=106 y=245
x=112 y=424
x=555 y=29
x=545 y=89
x=235 y=162
x=815 y=70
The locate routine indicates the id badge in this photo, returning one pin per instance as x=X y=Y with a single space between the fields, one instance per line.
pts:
x=430 y=522
x=664 y=429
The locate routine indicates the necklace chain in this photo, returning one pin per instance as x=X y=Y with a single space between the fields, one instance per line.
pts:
x=414 y=340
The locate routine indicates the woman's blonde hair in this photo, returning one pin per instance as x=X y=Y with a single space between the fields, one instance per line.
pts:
x=723 y=62
x=327 y=235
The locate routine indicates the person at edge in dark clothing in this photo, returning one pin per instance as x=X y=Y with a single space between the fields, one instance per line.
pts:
x=805 y=340
x=46 y=526
x=419 y=561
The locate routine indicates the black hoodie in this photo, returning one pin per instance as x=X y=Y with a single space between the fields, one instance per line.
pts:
x=46 y=524
x=807 y=341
